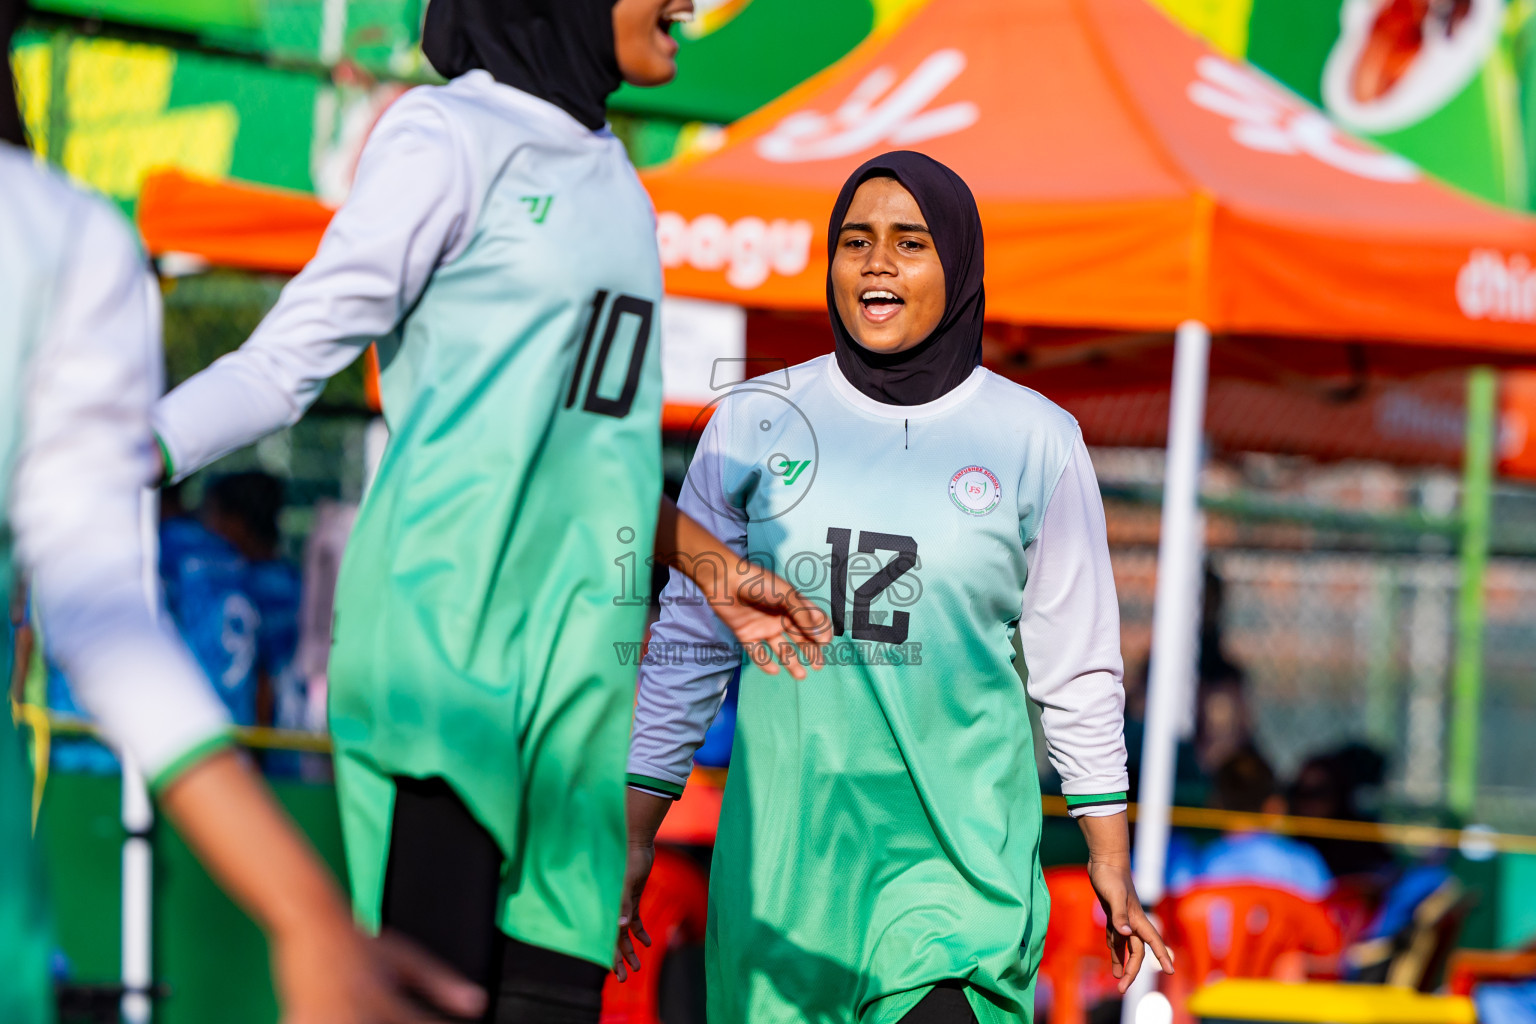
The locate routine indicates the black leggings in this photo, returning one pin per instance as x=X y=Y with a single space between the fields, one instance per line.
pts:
x=440 y=890
x=944 y=1004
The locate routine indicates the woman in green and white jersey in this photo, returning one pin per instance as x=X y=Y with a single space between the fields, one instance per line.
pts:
x=498 y=246
x=878 y=850
x=80 y=366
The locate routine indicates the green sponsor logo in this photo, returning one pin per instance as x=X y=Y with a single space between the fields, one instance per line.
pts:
x=538 y=207
x=791 y=469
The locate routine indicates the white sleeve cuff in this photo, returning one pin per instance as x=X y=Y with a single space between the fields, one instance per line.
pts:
x=1096 y=810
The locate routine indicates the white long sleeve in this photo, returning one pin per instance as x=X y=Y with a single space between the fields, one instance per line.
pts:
x=1069 y=631
x=77 y=499
x=412 y=207
x=692 y=654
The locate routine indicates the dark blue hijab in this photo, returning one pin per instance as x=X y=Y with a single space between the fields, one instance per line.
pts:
x=948 y=355
x=558 y=50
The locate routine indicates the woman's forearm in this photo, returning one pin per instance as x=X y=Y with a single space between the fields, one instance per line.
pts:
x=685 y=545
x=645 y=812
x=1109 y=838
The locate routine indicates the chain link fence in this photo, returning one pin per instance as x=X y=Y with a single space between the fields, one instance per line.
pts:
x=1340 y=645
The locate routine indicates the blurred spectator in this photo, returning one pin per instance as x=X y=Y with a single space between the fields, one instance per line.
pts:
x=1223 y=721
x=206 y=591
x=1419 y=920
x=1215 y=665
x=1246 y=783
x=1190 y=785
x=1329 y=786
x=1223 y=724
x=243 y=509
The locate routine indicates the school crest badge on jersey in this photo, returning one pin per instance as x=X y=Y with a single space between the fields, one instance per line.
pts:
x=975 y=490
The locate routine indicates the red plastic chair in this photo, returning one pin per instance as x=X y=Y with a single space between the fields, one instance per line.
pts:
x=1241 y=931
x=1076 y=960
x=673 y=908
x=1350 y=906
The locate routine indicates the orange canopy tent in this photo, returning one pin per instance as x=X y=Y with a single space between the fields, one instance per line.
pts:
x=1129 y=178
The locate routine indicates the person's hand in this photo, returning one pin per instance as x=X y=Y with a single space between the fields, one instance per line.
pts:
x=329 y=973
x=1128 y=931
x=766 y=613
x=642 y=854
x=643 y=813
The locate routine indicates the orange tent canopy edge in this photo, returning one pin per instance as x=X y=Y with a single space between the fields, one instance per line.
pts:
x=1129 y=178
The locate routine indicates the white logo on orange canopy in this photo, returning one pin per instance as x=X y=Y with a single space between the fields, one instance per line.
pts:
x=1490 y=287
x=748 y=250
x=879 y=112
x=1267 y=119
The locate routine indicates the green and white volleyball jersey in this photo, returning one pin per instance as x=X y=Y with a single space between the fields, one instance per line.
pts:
x=80 y=365
x=505 y=256
x=480 y=597
x=881 y=825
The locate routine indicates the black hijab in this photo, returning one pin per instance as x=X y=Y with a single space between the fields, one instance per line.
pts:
x=948 y=355
x=11 y=128
x=558 y=50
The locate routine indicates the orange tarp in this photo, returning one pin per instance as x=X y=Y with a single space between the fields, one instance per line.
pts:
x=250 y=227
x=1129 y=178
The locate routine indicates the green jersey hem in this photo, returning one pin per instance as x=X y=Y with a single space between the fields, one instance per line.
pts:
x=1095 y=800
x=168 y=473
x=648 y=782
x=189 y=759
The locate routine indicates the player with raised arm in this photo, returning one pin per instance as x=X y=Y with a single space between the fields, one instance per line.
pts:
x=878 y=850
x=80 y=366
x=499 y=247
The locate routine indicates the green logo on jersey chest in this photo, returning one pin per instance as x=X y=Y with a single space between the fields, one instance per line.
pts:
x=790 y=469
x=538 y=207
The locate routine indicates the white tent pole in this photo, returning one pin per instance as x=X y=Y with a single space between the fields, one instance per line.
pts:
x=138 y=892
x=1175 y=618
x=138 y=816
